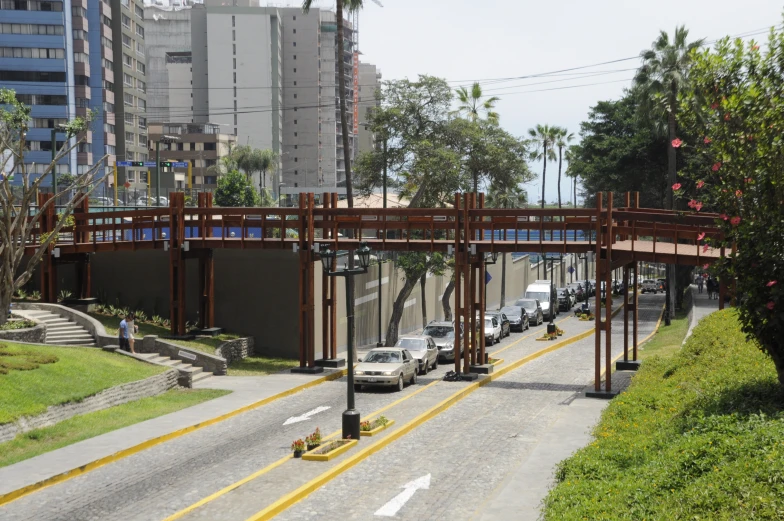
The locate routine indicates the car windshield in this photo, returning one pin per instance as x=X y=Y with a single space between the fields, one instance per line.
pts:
x=528 y=305
x=439 y=331
x=511 y=311
x=488 y=322
x=412 y=344
x=383 y=357
x=541 y=297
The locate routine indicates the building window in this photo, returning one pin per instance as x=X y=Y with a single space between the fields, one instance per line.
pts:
x=142 y=122
x=295 y=96
x=233 y=21
x=235 y=77
x=295 y=44
x=131 y=175
x=295 y=121
x=127 y=79
x=78 y=34
x=128 y=98
x=82 y=103
x=140 y=31
x=140 y=67
x=126 y=41
x=235 y=119
x=139 y=12
x=34 y=53
x=127 y=61
x=295 y=31
x=130 y=138
x=296 y=147
x=295 y=18
x=143 y=177
x=296 y=172
x=51 y=30
x=108 y=107
x=108 y=128
x=295 y=56
x=108 y=86
x=126 y=20
x=235 y=91
x=295 y=134
x=108 y=64
x=295 y=84
x=235 y=63
x=142 y=103
x=106 y=42
x=38 y=76
x=80 y=57
x=234 y=48
x=296 y=159
x=109 y=149
x=78 y=11
x=141 y=85
x=210 y=147
x=295 y=71
x=233 y=35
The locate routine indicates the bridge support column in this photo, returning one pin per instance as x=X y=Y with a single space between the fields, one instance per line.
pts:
x=176 y=263
x=307 y=363
x=629 y=308
x=48 y=267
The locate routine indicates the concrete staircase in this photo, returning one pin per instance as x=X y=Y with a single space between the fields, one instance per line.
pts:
x=60 y=330
x=196 y=373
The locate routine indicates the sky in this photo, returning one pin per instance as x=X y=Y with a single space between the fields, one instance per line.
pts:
x=463 y=40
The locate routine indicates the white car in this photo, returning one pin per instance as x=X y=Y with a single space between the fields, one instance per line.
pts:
x=423 y=349
x=492 y=330
x=386 y=366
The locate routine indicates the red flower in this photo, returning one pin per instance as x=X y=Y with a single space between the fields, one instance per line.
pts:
x=727 y=116
x=771 y=305
x=705 y=248
x=707 y=140
x=738 y=193
x=750 y=137
x=691 y=203
x=714 y=105
x=716 y=166
x=700 y=184
x=698 y=206
x=772 y=283
x=701 y=236
x=705 y=266
x=724 y=216
x=676 y=143
x=755 y=47
x=676 y=186
x=747 y=180
x=735 y=221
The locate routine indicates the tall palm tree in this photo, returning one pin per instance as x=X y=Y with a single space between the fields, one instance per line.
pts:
x=663 y=74
x=472 y=104
x=544 y=139
x=505 y=197
x=562 y=139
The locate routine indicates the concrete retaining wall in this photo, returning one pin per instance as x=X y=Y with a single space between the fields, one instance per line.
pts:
x=32 y=335
x=238 y=349
x=120 y=394
x=210 y=363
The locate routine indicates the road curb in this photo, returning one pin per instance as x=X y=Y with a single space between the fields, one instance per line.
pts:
x=84 y=469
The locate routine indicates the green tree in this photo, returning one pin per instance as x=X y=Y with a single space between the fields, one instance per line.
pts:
x=543 y=137
x=235 y=190
x=18 y=224
x=736 y=107
x=472 y=104
x=562 y=139
x=505 y=196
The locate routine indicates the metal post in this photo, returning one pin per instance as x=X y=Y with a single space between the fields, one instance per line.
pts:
x=350 y=415
x=380 y=270
x=54 y=165
x=157 y=174
x=384 y=182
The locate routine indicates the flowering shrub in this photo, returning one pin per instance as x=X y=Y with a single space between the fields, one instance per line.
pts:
x=297 y=446
x=736 y=103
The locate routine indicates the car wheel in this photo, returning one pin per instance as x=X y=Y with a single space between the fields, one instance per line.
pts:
x=425 y=367
x=357 y=387
x=413 y=378
x=400 y=383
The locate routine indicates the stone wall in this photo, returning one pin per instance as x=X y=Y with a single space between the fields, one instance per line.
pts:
x=237 y=349
x=120 y=394
x=210 y=363
x=32 y=335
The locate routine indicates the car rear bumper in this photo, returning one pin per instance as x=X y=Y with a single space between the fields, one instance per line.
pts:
x=375 y=380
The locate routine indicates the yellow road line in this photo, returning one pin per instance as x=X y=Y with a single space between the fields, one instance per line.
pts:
x=281 y=461
x=79 y=471
x=305 y=490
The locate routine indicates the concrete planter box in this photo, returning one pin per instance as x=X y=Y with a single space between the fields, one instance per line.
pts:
x=30 y=335
x=318 y=455
x=378 y=429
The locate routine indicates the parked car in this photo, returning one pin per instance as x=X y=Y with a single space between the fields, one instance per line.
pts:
x=443 y=334
x=650 y=286
x=101 y=201
x=421 y=347
x=518 y=318
x=492 y=330
x=389 y=366
x=506 y=327
x=544 y=292
x=151 y=201
x=564 y=299
x=533 y=309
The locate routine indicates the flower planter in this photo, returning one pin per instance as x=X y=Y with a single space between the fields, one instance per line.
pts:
x=313 y=447
x=546 y=338
x=298 y=454
x=329 y=450
x=496 y=361
x=376 y=430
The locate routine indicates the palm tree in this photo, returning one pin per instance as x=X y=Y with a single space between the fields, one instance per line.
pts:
x=562 y=139
x=471 y=104
x=544 y=138
x=663 y=74
x=505 y=197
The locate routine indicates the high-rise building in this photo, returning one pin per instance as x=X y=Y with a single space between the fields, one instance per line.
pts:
x=237 y=72
x=41 y=60
x=130 y=88
x=369 y=84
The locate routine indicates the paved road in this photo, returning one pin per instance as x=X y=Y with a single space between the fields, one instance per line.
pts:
x=172 y=476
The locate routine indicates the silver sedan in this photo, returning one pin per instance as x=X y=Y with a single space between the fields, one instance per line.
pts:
x=423 y=348
x=386 y=366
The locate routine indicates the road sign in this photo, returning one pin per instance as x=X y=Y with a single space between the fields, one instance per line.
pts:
x=488 y=277
x=570 y=269
x=127 y=184
x=149 y=164
x=175 y=164
x=132 y=163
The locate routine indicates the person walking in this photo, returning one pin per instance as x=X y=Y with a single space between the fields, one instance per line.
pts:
x=700 y=283
x=132 y=328
x=123 y=334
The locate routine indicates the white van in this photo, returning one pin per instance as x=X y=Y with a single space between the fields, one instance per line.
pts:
x=545 y=293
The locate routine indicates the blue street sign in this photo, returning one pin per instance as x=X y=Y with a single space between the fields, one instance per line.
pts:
x=179 y=164
x=149 y=163
x=488 y=277
x=570 y=270
x=124 y=163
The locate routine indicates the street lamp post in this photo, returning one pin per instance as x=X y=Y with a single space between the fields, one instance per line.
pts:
x=350 y=415
x=280 y=194
x=380 y=258
x=492 y=259
x=163 y=139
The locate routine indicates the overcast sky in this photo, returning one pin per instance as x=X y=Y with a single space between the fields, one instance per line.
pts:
x=466 y=40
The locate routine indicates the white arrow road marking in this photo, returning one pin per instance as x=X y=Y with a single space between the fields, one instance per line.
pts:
x=306 y=416
x=397 y=502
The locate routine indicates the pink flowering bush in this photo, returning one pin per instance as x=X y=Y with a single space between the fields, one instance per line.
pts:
x=738 y=168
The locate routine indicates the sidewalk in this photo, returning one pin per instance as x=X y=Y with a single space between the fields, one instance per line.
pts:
x=247 y=390
x=702 y=307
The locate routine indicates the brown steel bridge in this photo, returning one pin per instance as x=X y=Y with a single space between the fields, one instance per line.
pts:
x=620 y=237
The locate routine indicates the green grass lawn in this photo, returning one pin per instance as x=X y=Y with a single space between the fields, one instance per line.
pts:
x=78 y=428
x=260 y=366
x=699 y=434
x=79 y=372
x=204 y=344
x=668 y=339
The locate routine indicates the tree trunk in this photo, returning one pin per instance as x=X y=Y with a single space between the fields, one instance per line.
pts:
x=503 y=281
x=422 y=283
x=475 y=175
x=560 y=150
x=445 y=300
x=673 y=178
x=6 y=292
x=544 y=169
x=397 y=311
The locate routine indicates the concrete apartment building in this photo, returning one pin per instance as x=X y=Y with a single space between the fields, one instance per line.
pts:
x=237 y=72
x=130 y=89
x=369 y=84
x=49 y=70
x=201 y=144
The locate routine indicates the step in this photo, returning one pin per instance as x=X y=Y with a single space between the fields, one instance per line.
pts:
x=190 y=369
x=200 y=376
x=173 y=363
x=54 y=321
x=62 y=334
x=158 y=359
x=68 y=338
x=88 y=343
x=65 y=328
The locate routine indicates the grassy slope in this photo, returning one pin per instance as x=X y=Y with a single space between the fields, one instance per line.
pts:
x=698 y=435
x=260 y=366
x=78 y=428
x=78 y=373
